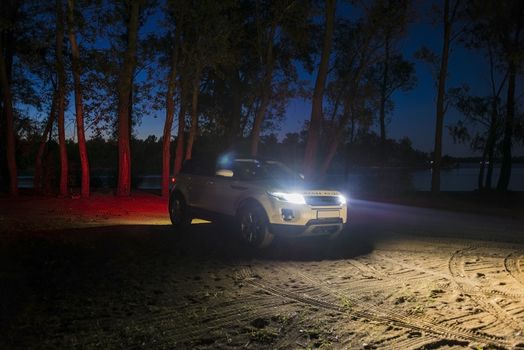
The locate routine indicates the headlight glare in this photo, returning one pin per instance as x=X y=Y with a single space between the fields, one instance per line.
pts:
x=342 y=199
x=295 y=198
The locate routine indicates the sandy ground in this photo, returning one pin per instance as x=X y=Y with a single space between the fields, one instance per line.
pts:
x=111 y=273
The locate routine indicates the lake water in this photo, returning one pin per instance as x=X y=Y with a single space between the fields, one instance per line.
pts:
x=466 y=179
x=463 y=178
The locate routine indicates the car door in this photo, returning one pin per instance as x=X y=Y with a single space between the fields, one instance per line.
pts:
x=199 y=176
x=226 y=192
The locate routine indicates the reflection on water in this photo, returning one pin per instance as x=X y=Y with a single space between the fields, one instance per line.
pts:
x=466 y=179
x=463 y=178
x=150 y=182
x=25 y=182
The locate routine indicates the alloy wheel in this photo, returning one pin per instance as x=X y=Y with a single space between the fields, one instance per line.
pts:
x=251 y=227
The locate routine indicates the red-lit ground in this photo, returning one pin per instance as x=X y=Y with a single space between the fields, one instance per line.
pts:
x=111 y=273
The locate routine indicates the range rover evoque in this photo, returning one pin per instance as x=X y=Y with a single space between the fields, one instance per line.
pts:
x=263 y=198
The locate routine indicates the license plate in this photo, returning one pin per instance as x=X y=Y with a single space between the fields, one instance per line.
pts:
x=322 y=214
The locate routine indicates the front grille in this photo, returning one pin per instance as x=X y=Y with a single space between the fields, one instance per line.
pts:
x=325 y=221
x=326 y=230
x=322 y=200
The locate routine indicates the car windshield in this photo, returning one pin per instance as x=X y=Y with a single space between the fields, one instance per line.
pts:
x=249 y=170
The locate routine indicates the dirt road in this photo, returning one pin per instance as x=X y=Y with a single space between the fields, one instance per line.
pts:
x=402 y=278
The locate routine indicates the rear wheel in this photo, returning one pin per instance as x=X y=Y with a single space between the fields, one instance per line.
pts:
x=178 y=211
x=253 y=225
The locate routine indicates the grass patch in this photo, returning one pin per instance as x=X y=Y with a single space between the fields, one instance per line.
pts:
x=346 y=303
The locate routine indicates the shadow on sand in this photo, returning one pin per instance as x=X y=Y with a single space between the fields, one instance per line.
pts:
x=117 y=271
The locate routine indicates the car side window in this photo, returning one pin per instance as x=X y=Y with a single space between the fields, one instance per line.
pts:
x=246 y=171
x=198 y=167
x=203 y=168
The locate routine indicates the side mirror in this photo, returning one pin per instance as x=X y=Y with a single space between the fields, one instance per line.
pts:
x=224 y=173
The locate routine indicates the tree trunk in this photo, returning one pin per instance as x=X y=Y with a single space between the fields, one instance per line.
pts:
x=332 y=150
x=316 y=104
x=493 y=126
x=244 y=118
x=266 y=94
x=7 y=50
x=170 y=111
x=179 y=154
x=335 y=141
x=490 y=143
x=257 y=123
x=505 y=169
x=7 y=107
x=194 y=115
x=236 y=113
x=480 y=180
x=37 y=180
x=125 y=86
x=437 y=153
x=489 y=173
x=60 y=70
x=79 y=104
x=383 y=100
x=4 y=173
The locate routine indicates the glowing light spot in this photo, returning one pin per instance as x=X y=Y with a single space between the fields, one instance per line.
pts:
x=197 y=221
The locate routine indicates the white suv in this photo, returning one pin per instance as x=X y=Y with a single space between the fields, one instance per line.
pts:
x=263 y=198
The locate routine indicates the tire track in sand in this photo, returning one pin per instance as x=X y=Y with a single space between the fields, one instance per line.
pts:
x=332 y=300
x=462 y=280
x=512 y=263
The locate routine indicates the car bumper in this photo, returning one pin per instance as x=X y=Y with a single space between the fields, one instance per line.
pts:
x=284 y=213
x=317 y=227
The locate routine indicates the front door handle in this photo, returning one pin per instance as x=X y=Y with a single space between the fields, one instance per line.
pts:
x=240 y=188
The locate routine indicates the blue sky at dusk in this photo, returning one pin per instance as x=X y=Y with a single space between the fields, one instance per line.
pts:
x=414 y=112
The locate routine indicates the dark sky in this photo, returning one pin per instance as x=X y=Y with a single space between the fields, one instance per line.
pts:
x=414 y=112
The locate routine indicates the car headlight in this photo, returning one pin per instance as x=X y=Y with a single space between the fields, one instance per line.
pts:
x=342 y=199
x=295 y=198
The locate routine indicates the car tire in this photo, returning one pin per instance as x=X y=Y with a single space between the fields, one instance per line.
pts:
x=178 y=211
x=337 y=235
x=253 y=225
x=334 y=236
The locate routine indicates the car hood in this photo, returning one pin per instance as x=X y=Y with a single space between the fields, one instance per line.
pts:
x=303 y=187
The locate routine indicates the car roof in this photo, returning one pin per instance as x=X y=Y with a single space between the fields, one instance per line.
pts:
x=253 y=160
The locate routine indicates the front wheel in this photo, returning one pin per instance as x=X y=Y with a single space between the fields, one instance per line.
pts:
x=337 y=235
x=178 y=211
x=253 y=225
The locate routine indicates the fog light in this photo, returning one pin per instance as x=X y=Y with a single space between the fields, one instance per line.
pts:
x=287 y=214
